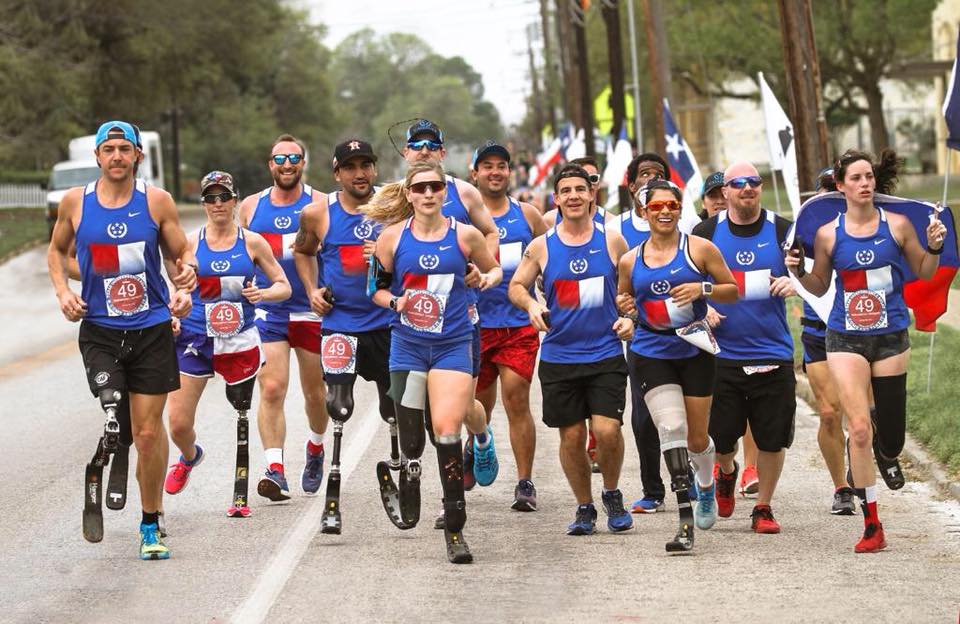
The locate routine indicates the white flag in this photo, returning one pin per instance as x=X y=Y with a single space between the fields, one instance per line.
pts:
x=780 y=139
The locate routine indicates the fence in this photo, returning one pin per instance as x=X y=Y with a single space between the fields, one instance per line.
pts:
x=22 y=195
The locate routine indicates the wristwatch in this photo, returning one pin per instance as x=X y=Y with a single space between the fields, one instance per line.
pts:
x=706 y=289
x=393 y=303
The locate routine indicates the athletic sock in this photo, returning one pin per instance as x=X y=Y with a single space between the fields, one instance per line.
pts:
x=150 y=518
x=868 y=504
x=314 y=449
x=273 y=456
x=703 y=464
x=482 y=439
x=316 y=438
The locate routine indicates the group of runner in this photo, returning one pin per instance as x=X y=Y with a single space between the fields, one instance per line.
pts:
x=429 y=288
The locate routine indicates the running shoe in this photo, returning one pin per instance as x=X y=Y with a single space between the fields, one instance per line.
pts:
x=151 y=544
x=524 y=496
x=692 y=479
x=725 y=485
x=762 y=520
x=485 y=464
x=647 y=504
x=890 y=469
x=179 y=473
x=592 y=453
x=705 y=511
x=872 y=540
x=585 y=522
x=273 y=485
x=161 y=524
x=843 y=503
x=617 y=517
x=312 y=472
x=469 y=480
x=749 y=482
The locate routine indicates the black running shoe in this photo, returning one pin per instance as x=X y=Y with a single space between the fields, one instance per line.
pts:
x=843 y=503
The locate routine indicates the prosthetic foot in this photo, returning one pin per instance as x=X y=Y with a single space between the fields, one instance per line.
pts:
x=457 y=549
x=409 y=492
x=239 y=396
x=117 y=483
x=331 y=516
x=677 y=462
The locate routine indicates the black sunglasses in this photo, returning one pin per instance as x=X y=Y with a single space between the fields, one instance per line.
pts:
x=211 y=198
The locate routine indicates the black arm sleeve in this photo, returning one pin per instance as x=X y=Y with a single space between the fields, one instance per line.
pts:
x=705 y=229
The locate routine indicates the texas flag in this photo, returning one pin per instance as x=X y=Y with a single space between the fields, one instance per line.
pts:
x=880 y=278
x=665 y=314
x=238 y=358
x=684 y=171
x=220 y=288
x=438 y=284
x=281 y=244
x=352 y=260
x=585 y=293
x=752 y=285
x=509 y=255
x=111 y=259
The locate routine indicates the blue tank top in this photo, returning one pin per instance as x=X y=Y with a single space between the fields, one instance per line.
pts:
x=431 y=272
x=219 y=310
x=600 y=216
x=580 y=284
x=811 y=315
x=119 y=257
x=454 y=207
x=659 y=316
x=345 y=270
x=279 y=225
x=869 y=282
x=515 y=234
x=634 y=229
x=756 y=325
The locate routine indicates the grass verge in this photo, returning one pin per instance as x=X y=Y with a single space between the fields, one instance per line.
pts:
x=21 y=228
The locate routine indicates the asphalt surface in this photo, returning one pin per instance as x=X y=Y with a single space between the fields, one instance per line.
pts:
x=277 y=567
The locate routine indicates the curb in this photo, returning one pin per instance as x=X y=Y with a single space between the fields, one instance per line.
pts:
x=914 y=453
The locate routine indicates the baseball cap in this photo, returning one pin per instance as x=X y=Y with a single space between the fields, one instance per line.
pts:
x=714 y=180
x=213 y=178
x=490 y=147
x=352 y=148
x=117 y=130
x=425 y=127
x=825 y=176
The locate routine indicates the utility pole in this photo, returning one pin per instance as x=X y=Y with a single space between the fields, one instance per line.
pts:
x=568 y=67
x=173 y=115
x=578 y=9
x=535 y=81
x=635 y=72
x=658 y=58
x=611 y=17
x=804 y=94
x=550 y=70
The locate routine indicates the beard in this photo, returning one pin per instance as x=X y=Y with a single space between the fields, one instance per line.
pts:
x=354 y=193
x=294 y=183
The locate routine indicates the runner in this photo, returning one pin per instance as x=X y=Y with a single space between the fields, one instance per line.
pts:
x=274 y=213
x=508 y=343
x=868 y=345
x=424 y=257
x=464 y=203
x=755 y=381
x=711 y=195
x=583 y=374
x=552 y=217
x=666 y=277
x=119 y=226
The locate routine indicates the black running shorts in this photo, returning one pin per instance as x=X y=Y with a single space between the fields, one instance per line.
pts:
x=143 y=361
x=766 y=400
x=372 y=357
x=575 y=392
x=873 y=347
x=695 y=374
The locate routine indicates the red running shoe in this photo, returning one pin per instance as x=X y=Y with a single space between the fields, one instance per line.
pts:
x=872 y=540
x=762 y=520
x=749 y=482
x=726 y=483
x=592 y=453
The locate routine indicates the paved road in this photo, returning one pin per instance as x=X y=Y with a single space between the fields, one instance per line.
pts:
x=277 y=567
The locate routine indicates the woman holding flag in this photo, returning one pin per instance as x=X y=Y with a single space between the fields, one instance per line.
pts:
x=867 y=342
x=667 y=280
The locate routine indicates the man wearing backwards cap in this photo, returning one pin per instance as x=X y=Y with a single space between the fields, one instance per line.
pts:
x=119 y=225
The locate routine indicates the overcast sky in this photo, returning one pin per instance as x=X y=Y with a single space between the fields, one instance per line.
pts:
x=489 y=34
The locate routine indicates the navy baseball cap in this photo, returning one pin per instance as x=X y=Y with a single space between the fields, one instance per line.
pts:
x=825 y=178
x=352 y=148
x=714 y=180
x=490 y=147
x=117 y=130
x=423 y=127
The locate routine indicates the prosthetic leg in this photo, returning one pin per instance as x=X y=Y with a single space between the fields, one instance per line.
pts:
x=411 y=388
x=108 y=444
x=677 y=464
x=240 y=395
x=389 y=494
x=666 y=408
x=340 y=408
x=450 y=461
x=119 y=465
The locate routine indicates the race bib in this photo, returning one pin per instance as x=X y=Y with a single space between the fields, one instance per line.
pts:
x=224 y=318
x=126 y=294
x=424 y=311
x=865 y=310
x=474 y=313
x=338 y=353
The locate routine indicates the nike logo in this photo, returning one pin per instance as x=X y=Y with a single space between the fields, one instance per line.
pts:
x=447 y=203
x=236 y=255
x=877 y=242
x=593 y=251
x=760 y=245
x=132 y=214
x=298 y=211
x=510 y=220
x=674 y=271
x=445 y=247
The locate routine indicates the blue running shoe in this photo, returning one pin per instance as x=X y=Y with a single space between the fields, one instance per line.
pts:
x=273 y=485
x=312 y=473
x=617 y=517
x=692 y=490
x=586 y=521
x=705 y=511
x=647 y=504
x=151 y=544
x=485 y=464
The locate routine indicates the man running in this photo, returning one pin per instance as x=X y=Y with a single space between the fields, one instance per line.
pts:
x=552 y=217
x=583 y=374
x=508 y=343
x=755 y=381
x=274 y=213
x=120 y=226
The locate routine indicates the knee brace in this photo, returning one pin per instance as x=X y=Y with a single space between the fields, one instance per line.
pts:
x=240 y=395
x=340 y=401
x=678 y=465
x=668 y=413
x=890 y=415
x=450 y=461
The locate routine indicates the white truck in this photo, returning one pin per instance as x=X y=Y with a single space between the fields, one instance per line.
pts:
x=82 y=169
